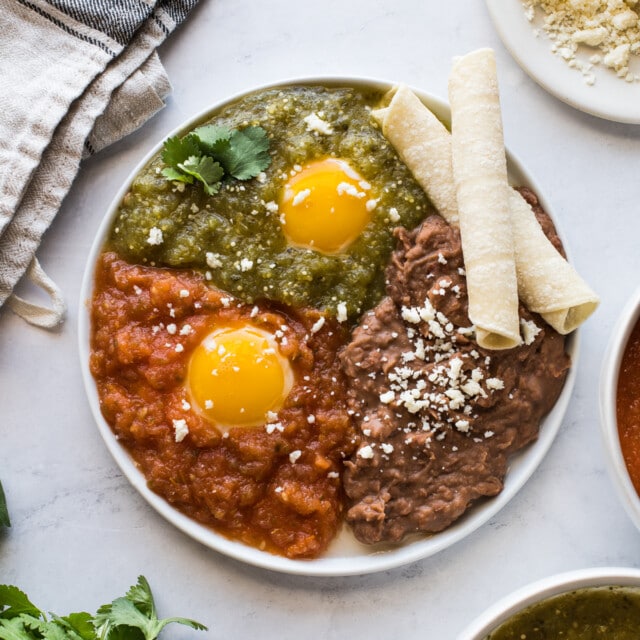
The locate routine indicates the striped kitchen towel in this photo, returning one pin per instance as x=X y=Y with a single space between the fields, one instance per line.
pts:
x=75 y=76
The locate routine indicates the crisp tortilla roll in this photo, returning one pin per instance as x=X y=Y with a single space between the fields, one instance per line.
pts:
x=424 y=144
x=480 y=176
x=547 y=283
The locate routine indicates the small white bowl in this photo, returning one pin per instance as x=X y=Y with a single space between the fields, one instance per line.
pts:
x=546 y=588
x=608 y=421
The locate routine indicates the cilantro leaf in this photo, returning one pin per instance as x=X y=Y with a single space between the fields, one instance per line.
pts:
x=177 y=150
x=173 y=174
x=248 y=153
x=132 y=617
x=136 y=610
x=78 y=625
x=211 y=151
x=212 y=139
x=14 y=602
x=204 y=169
x=121 y=613
x=46 y=629
x=4 y=512
x=15 y=628
x=141 y=596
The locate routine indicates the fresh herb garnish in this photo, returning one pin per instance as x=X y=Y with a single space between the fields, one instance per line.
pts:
x=4 y=512
x=209 y=153
x=132 y=617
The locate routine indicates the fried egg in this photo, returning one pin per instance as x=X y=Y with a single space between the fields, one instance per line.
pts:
x=237 y=375
x=325 y=206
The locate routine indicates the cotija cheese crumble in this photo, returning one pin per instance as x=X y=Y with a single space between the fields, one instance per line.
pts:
x=609 y=28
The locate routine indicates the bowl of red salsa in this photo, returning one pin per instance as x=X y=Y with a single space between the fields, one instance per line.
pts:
x=620 y=406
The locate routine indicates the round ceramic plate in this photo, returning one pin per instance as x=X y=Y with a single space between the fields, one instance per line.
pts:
x=345 y=556
x=609 y=97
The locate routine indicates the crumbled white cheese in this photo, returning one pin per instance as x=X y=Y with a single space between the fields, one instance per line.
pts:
x=456 y=397
x=366 y=452
x=410 y=314
x=213 y=260
x=318 y=125
x=274 y=426
x=462 y=425
x=300 y=197
x=529 y=330
x=350 y=190
x=387 y=397
x=494 y=383
x=318 y=325
x=155 y=236
x=246 y=264
x=181 y=429
x=342 y=312
x=611 y=26
x=471 y=388
x=294 y=456
x=394 y=216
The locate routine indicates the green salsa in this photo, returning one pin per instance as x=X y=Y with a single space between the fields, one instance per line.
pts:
x=235 y=236
x=593 y=613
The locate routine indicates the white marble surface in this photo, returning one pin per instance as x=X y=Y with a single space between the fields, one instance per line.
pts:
x=81 y=534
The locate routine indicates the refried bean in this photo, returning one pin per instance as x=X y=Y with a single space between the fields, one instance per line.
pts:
x=439 y=416
x=275 y=487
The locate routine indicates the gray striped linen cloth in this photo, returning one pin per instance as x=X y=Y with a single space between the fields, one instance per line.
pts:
x=75 y=76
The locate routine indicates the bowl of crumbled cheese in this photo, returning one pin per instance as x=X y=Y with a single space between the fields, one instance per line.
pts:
x=585 y=52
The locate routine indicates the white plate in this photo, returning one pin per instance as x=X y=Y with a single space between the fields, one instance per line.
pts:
x=610 y=97
x=345 y=556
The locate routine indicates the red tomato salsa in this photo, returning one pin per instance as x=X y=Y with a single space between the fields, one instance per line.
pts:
x=275 y=487
x=628 y=406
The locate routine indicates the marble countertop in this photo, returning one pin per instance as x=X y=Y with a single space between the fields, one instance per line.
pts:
x=81 y=534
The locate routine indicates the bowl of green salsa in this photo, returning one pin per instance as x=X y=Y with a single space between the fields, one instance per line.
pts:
x=590 y=604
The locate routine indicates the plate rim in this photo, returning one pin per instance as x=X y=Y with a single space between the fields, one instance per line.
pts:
x=526 y=461
x=554 y=75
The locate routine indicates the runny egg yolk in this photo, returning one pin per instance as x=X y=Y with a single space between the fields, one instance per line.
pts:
x=237 y=375
x=325 y=206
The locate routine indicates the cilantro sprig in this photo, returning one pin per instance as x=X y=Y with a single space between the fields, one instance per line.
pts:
x=132 y=617
x=209 y=153
x=4 y=512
